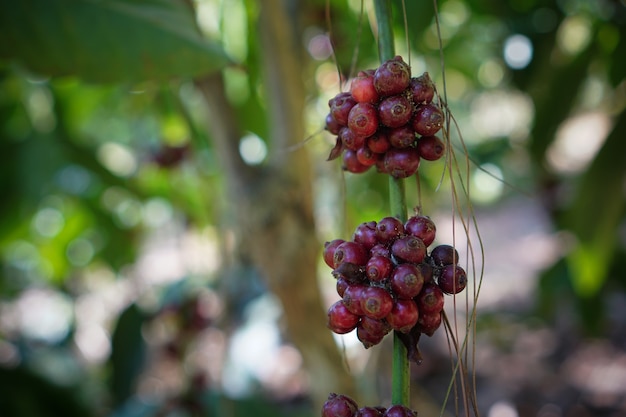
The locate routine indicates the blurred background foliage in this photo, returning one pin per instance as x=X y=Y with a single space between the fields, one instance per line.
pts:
x=114 y=225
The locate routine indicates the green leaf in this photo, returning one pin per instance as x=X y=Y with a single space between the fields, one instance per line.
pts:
x=107 y=40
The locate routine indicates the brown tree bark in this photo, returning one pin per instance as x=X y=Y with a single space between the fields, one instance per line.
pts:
x=274 y=210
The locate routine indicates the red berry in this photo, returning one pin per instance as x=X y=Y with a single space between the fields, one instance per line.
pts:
x=342 y=284
x=351 y=252
x=362 y=88
x=351 y=162
x=406 y=281
x=340 y=319
x=431 y=148
x=340 y=107
x=403 y=316
x=379 y=142
x=332 y=125
x=427 y=120
x=365 y=234
x=452 y=279
x=339 y=406
x=430 y=299
x=367 y=338
x=395 y=111
x=353 y=297
x=401 y=163
x=401 y=137
x=409 y=249
x=389 y=229
x=427 y=271
x=422 y=227
x=363 y=119
x=329 y=251
x=429 y=322
x=380 y=249
x=371 y=331
x=422 y=89
x=444 y=255
x=399 y=411
x=376 y=302
x=392 y=77
x=368 y=412
x=350 y=140
x=378 y=268
x=366 y=156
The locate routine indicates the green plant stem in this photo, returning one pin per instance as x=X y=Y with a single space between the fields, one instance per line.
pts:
x=397 y=198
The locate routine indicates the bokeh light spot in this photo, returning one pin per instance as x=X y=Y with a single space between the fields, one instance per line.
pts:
x=252 y=149
x=518 y=51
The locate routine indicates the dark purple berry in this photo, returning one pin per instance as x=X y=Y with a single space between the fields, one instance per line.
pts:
x=368 y=412
x=340 y=319
x=431 y=148
x=329 y=251
x=401 y=137
x=406 y=281
x=339 y=406
x=379 y=142
x=366 y=156
x=422 y=227
x=429 y=322
x=380 y=249
x=427 y=271
x=395 y=111
x=375 y=326
x=422 y=89
x=340 y=107
x=349 y=271
x=399 y=411
x=350 y=140
x=444 y=255
x=427 y=120
x=376 y=302
x=409 y=249
x=401 y=163
x=365 y=234
x=332 y=125
x=350 y=252
x=389 y=229
x=342 y=284
x=363 y=119
x=378 y=268
x=392 y=77
x=403 y=316
x=351 y=162
x=430 y=299
x=452 y=279
x=353 y=297
x=367 y=338
x=362 y=88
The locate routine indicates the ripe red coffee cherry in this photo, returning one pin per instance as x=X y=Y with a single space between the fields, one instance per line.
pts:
x=406 y=281
x=339 y=406
x=389 y=229
x=379 y=142
x=452 y=279
x=342 y=284
x=376 y=302
x=332 y=126
x=430 y=299
x=422 y=89
x=367 y=337
x=365 y=234
x=401 y=137
x=392 y=77
x=431 y=148
x=350 y=140
x=351 y=162
x=340 y=107
x=428 y=323
x=378 y=268
x=403 y=316
x=363 y=119
x=351 y=252
x=444 y=255
x=399 y=411
x=380 y=249
x=368 y=412
x=362 y=88
x=375 y=326
x=340 y=319
x=427 y=271
x=367 y=157
x=401 y=163
x=395 y=111
x=353 y=297
x=427 y=120
x=409 y=249
x=329 y=251
x=422 y=227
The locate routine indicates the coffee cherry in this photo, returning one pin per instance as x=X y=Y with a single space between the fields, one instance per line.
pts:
x=422 y=227
x=427 y=120
x=365 y=234
x=427 y=271
x=431 y=148
x=340 y=319
x=399 y=411
x=362 y=88
x=389 y=229
x=422 y=89
x=376 y=302
x=340 y=107
x=363 y=119
x=375 y=326
x=380 y=249
x=428 y=323
x=339 y=406
x=430 y=299
x=332 y=125
x=368 y=412
x=350 y=252
x=392 y=77
x=395 y=111
x=351 y=162
x=329 y=251
x=368 y=338
x=378 y=268
x=409 y=249
x=353 y=297
x=341 y=285
x=379 y=142
x=401 y=137
x=350 y=140
x=403 y=316
x=406 y=281
x=401 y=163
x=444 y=255
x=452 y=279
x=366 y=156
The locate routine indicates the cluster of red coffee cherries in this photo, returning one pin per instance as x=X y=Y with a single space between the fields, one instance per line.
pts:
x=388 y=120
x=387 y=279
x=339 y=405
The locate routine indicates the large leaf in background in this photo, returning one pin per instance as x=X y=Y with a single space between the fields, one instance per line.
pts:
x=107 y=40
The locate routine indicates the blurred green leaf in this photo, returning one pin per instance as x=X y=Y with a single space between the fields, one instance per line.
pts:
x=108 y=41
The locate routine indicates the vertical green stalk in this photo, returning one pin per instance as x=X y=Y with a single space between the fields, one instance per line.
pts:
x=397 y=197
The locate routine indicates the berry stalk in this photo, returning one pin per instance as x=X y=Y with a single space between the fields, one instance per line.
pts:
x=397 y=196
